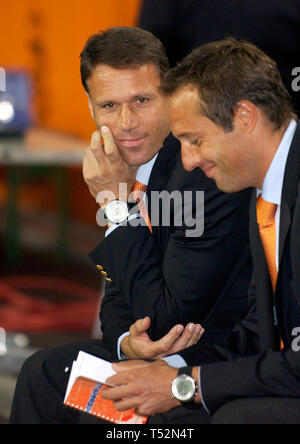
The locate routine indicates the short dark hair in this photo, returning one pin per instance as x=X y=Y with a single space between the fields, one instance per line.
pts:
x=226 y=72
x=122 y=47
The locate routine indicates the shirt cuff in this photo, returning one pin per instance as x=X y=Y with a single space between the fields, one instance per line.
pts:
x=120 y=354
x=175 y=361
x=110 y=230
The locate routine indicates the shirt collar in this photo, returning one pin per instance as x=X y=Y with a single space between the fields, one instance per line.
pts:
x=273 y=182
x=144 y=171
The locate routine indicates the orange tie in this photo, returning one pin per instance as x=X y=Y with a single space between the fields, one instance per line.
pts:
x=137 y=189
x=267 y=228
x=266 y=220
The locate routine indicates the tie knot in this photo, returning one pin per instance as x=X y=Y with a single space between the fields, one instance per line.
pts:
x=265 y=212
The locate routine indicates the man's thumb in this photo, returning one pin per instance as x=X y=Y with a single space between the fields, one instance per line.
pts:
x=144 y=324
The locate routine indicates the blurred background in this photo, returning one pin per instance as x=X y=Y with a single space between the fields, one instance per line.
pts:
x=50 y=292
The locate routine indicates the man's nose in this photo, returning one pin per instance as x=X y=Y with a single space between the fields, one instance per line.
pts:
x=190 y=157
x=128 y=118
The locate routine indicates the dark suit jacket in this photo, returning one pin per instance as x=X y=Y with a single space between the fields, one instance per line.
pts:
x=273 y=25
x=250 y=364
x=173 y=278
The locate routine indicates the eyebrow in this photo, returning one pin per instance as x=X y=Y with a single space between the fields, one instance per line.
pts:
x=135 y=97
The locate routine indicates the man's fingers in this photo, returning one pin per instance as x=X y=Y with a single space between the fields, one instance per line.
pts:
x=115 y=393
x=95 y=151
x=96 y=141
x=189 y=337
x=127 y=404
x=165 y=344
x=141 y=325
x=198 y=331
x=123 y=397
x=109 y=146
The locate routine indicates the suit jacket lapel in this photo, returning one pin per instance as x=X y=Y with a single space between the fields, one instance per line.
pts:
x=162 y=170
x=285 y=222
x=163 y=166
x=295 y=246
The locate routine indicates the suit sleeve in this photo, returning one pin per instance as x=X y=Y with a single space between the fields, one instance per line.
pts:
x=184 y=283
x=267 y=374
x=115 y=317
x=238 y=368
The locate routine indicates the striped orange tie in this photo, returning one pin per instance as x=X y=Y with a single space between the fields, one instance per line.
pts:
x=137 y=189
x=267 y=229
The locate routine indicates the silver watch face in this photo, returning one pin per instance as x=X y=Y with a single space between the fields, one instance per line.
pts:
x=117 y=211
x=183 y=388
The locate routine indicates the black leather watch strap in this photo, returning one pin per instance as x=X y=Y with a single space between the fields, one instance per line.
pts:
x=185 y=371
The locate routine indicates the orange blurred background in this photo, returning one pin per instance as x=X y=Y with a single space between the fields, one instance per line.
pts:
x=46 y=38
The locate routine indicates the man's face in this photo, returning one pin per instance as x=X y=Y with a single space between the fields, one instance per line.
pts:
x=223 y=156
x=129 y=103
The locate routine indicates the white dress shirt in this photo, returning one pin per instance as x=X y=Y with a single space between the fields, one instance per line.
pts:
x=272 y=185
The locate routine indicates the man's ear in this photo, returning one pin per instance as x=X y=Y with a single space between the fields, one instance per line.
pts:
x=246 y=114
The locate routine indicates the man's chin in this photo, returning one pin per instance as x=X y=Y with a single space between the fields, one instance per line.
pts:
x=228 y=188
x=137 y=158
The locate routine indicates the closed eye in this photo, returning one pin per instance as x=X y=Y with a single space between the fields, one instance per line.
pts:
x=196 y=142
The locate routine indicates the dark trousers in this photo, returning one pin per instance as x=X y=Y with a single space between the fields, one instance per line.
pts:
x=42 y=383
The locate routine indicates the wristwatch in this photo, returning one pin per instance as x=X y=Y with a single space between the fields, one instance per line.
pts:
x=117 y=211
x=184 y=387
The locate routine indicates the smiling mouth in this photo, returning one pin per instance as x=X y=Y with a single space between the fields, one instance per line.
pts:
x=131 y=142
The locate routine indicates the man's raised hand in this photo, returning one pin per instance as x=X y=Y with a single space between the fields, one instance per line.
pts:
x=104 y=168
